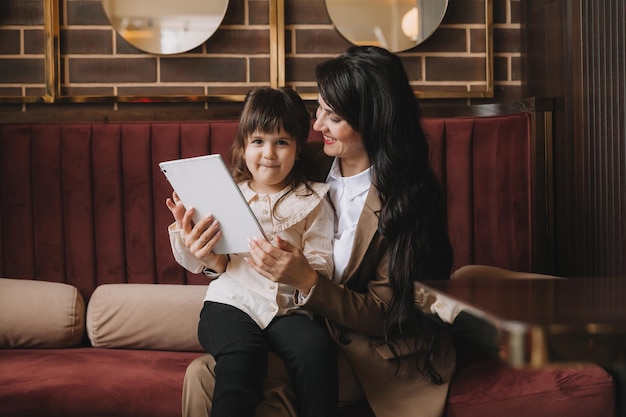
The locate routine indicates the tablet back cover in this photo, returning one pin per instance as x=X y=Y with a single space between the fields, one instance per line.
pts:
x=205 y=183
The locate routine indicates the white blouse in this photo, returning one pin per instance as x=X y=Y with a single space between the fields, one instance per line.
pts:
x=348 y=195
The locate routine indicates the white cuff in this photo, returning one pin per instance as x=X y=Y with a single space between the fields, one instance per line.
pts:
x=210 y=273
x=301 y=298
x=446 y=308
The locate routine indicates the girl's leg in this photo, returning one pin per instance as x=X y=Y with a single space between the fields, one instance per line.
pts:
x=311 y=358
x=279 y=398
x=240 y=351
x=199 y=384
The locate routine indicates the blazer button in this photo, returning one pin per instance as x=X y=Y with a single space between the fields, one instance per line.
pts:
x=344 y=340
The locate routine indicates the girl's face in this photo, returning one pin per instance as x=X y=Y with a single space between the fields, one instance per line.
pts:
x=341 y=140
x=270 y=158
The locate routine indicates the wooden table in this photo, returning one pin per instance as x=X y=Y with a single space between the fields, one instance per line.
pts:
x=539 y=322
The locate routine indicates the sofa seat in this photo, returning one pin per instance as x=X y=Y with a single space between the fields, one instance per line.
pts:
x=141 y=338
x=76 y=381
x=491 y=388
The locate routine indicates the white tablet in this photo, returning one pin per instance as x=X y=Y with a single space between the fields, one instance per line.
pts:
x=205 y=183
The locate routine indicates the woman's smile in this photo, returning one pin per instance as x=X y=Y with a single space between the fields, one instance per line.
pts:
x=328 y=140
x=341 y=140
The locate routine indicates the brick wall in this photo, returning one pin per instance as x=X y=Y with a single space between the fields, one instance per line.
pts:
x=95 y=61
x=22 y=69
x=452 y=60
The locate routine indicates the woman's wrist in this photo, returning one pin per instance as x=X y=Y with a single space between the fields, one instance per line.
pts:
x=310 y=283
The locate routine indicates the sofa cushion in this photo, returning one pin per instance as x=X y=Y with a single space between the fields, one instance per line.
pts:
x=494 y=389
x=85 y=381
x=140 y=316
x=40 y=314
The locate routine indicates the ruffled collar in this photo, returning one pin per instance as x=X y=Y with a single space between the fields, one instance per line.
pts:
x=293 y=208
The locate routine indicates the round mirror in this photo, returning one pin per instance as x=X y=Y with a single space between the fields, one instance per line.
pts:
x=165 y=26
x=396 y=25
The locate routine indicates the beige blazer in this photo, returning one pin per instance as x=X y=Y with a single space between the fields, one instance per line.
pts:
x=355 y=312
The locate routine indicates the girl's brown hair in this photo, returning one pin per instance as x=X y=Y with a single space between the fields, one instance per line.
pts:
x=267 y=110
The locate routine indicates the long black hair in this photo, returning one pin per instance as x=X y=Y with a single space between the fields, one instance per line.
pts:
x=368 y=87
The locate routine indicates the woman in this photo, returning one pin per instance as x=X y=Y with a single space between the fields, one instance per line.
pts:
x=390 y=231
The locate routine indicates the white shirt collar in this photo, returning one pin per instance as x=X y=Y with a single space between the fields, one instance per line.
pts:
x=358 y=183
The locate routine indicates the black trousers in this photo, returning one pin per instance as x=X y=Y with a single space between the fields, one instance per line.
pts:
x=240 y=350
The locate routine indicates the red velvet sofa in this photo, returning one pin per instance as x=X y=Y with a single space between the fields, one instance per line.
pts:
x=97 y=319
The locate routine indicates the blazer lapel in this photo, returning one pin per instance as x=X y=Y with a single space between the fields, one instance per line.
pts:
x=365 y=231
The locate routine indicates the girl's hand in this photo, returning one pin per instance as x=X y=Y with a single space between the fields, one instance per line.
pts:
x=176 y=208
x=201 y=239
x=282 y=263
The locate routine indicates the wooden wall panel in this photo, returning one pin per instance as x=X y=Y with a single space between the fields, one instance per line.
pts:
x=575 y=52
x=604 y=135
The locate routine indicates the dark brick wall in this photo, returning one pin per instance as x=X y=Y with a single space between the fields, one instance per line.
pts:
x=97 y=61
x=22 y=65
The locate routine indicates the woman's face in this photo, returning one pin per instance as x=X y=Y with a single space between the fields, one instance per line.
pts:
x=341 y=140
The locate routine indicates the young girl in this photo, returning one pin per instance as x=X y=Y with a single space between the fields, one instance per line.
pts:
x=244 y=313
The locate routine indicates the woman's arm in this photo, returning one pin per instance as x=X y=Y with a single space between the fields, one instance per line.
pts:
x=359 y=304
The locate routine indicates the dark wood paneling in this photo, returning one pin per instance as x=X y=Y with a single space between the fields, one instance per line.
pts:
x=575 y=51
x=604 y=135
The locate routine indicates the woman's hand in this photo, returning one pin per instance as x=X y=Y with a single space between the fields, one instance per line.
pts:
x=200 y=238
x=283 y=263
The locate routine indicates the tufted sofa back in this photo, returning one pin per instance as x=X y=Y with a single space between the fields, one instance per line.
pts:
x=84 y=203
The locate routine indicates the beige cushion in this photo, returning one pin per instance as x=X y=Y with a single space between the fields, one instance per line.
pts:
x=40 y=314
x=145 y=316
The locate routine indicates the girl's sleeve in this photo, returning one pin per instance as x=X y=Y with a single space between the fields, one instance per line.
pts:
x=181 y=252
x=317 y=239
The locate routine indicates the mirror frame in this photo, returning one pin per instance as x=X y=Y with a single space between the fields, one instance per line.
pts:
x=277 y=56
x=487 y=93
x=277 y=66
x=391 y=27
x=52 y=53
x=163 y=32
